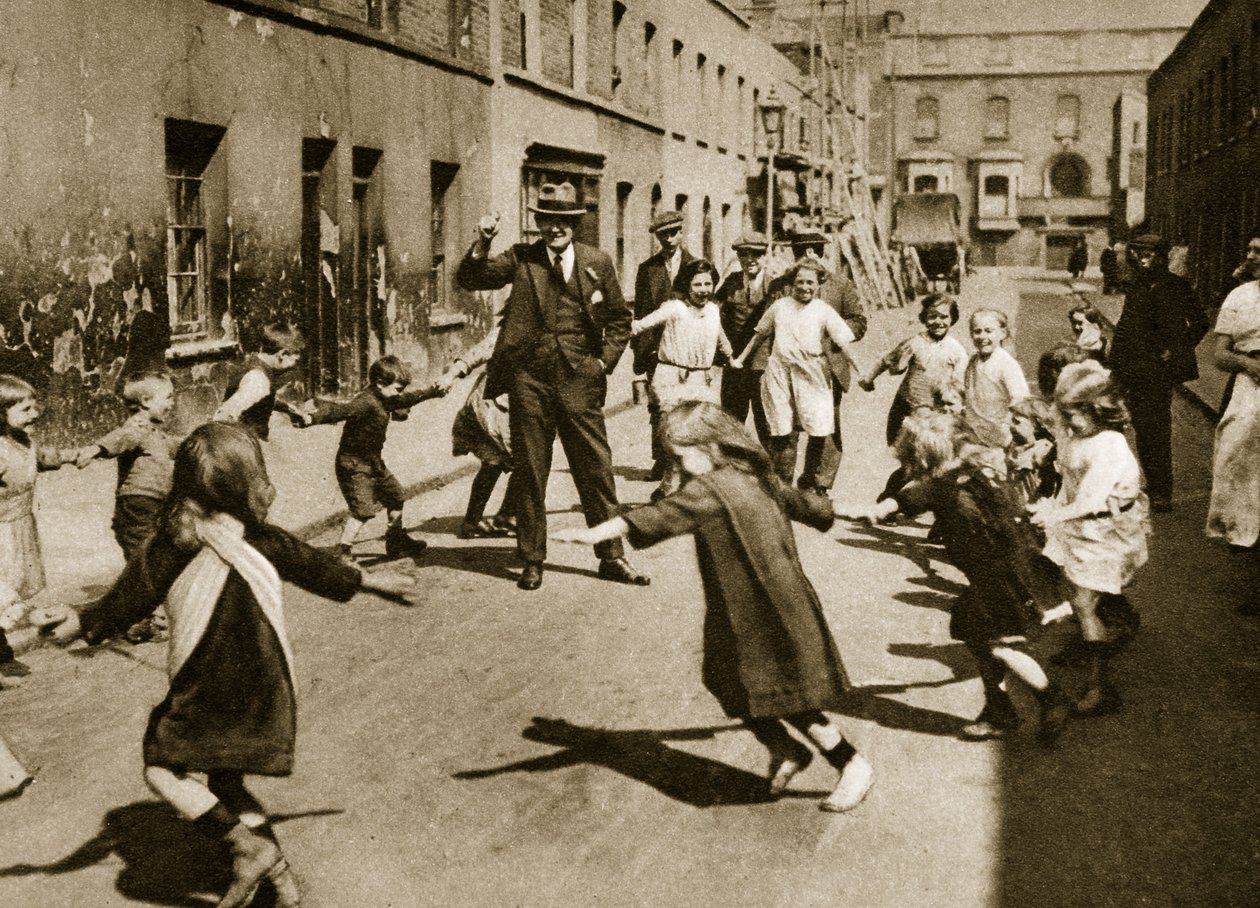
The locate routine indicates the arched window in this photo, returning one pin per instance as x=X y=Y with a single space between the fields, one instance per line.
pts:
x=1067 y=121
x=997 y=118
x=927 y=118
x=655 y=203
x=1069 y=176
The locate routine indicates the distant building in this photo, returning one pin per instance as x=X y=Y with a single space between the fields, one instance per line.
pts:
x=1026 y=111
x=1204 y=143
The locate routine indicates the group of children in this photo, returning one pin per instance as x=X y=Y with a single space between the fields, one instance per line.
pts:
x=1037 y=502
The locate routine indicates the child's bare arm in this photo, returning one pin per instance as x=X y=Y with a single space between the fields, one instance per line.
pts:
x=392 y=585
x=873 y=513
x=609 y=529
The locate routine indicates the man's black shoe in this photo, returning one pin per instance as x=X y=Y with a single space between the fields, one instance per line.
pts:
x=619 y=570
x=531 y=576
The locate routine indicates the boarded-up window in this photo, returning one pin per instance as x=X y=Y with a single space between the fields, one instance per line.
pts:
x=997 y=118
x=1067 y=120
x=927 y=118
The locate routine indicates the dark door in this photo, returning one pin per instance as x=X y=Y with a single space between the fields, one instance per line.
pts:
x=321 y=254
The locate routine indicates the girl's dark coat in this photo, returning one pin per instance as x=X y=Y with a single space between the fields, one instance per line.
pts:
x=767 y=649
x=231 y=706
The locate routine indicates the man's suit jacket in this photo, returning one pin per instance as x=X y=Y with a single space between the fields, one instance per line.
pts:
x=839 y=293
x=1159 y=327
x=652 y=287
x=740 y=315
x=530 y=309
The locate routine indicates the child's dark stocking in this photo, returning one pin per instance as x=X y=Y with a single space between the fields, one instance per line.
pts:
x=229 y=788
x=1101 y=697
x=482 y=488
x=998 y=714
x=856 y=774
x=1054 y=706
x=787 y=755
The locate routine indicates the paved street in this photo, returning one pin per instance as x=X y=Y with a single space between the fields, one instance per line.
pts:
x=495 y=747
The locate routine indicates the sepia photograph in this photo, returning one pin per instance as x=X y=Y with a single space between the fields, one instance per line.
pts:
x=629 y=453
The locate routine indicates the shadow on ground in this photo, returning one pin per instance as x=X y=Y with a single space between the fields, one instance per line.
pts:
x=165 y=860
x=644 y=756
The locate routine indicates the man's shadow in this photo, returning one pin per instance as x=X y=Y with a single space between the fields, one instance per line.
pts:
x=166 y=861
x=642 y=755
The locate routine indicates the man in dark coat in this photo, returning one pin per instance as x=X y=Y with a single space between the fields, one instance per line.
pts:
x=1152 y=351
x=822 y=455
x=653 y=285
x=743 y=298
x=564 y=327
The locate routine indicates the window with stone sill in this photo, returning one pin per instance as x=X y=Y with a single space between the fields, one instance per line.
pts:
x=927 y=118
x=196 y=228
x=997 y=118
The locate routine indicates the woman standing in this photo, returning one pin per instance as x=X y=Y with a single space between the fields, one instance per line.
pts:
x=1234 y=510
x=796 y=388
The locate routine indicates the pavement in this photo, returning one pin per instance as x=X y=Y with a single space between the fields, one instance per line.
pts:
x=497 y=747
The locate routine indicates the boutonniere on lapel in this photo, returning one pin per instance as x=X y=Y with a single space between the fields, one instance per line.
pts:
x=597 y=296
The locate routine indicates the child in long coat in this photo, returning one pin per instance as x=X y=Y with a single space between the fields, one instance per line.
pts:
x=231 y=708
x=769 y=656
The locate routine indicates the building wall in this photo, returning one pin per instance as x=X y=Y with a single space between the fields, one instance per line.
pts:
x=84 y=213
x=1204 y=142
x=1035 y=73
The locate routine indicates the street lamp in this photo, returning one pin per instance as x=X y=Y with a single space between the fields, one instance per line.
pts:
x=771 y=122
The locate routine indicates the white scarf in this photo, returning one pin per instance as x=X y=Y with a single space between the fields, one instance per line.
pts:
x=195 y=593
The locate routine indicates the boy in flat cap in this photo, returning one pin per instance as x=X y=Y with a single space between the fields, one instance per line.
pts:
x=653 y=285
x=743 y=298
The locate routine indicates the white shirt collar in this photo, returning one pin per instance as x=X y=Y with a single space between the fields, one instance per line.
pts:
x=567 y=259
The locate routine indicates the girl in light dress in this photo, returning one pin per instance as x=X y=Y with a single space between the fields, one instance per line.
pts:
x=768 y=657
x=796 y=386
x=993 y=381
x=1234 y=508
x=690 y=343
x=934 y=364
x=1096 y=527
x=21 y=562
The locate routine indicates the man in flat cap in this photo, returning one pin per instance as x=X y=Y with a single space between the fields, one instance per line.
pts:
x=1152 y=351
x=564 y=327
x=822 y=455
x=744 y=297
x=653 y=285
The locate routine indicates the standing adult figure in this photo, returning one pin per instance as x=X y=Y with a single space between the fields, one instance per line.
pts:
x=653 y=285
x=743 y=298
x=564 y=327
x=1152 y=351
x=1078 y=259
x=1234 y=509
x=822 y=455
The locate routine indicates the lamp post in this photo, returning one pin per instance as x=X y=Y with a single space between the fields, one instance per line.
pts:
x=771 y=123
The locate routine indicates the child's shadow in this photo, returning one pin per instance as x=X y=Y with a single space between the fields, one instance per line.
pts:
x=914 y=548
x=642 y=755
x=166 y=861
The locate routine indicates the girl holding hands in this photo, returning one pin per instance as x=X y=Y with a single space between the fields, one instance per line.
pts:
x=769 y=657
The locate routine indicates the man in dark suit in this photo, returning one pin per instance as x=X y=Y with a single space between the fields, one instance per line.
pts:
x=653 y=285
x=744 y=298
x=822 y=455
x=564 y=327
x=1152 y=351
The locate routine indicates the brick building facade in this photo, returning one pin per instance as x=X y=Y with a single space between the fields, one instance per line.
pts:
x=1204 y=138
x=229 y=162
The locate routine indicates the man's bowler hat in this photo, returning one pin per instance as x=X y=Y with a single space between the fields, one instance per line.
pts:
x=666 y=220
x=1149 y=241
x=558 y=200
